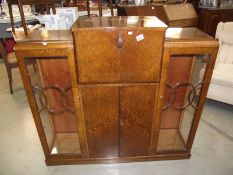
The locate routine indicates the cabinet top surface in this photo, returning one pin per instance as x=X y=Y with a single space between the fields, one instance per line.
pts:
x=38 y=36
x=190 y=34
x=150 y=22
x=173 y=35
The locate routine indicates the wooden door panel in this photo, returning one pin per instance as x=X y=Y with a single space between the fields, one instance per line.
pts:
x=97 y=56
x=141 y=55
x=101 y=110
x=136 y=115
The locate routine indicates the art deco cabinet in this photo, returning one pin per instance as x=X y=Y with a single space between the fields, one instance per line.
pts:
x=117 y=89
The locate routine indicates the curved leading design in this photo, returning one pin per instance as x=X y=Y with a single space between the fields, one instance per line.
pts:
x=63 y=99
x=191 y=95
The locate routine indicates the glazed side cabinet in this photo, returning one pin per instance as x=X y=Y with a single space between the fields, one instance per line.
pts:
x=116 y=89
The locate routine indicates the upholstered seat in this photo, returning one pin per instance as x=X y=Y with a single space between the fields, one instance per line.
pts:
x=10 y=62
x=221 y=86
x=222 y=75
x=11 y=57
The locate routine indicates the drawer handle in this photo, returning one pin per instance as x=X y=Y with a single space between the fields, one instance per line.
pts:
x=120 y=41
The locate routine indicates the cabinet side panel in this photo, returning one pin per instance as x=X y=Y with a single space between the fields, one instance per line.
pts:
x=97 y=56
x=136 y=115
x=101 y=108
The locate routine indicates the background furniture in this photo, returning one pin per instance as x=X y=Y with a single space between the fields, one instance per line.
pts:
x=85 y=5
x=10 y=62
x=122 y=99
x=174 y=15
x=20 y=4
x=180 y=15
x=221 y=86
x=210 y=17
x=5 y=23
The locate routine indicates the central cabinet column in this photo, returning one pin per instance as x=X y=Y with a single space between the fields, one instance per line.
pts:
x=118 y=67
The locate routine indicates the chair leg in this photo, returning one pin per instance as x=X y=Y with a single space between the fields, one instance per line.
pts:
x=10 y=79
x=11 y=18
x=100 y=7
x=41 y=8
x=54 y=8
x=110 y=4
x=88 y=8
x=24 y=24
x=47 y=9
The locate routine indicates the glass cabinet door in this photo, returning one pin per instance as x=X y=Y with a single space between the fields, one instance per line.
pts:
x=183 y=87
x=51 y=85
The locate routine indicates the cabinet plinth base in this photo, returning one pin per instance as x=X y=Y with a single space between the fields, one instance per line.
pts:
x=69 y=161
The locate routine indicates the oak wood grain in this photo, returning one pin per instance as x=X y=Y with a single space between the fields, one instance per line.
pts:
x=101 y=110
x=103 y=62
x=136 y=115
x=140 y=56
x=98 y=61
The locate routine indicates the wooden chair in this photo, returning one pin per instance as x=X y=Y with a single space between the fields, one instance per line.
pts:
x=10 y=62
x=20 y=4
x=75 y=3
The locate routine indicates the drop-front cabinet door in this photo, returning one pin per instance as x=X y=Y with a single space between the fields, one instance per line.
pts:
x=98 y=56
x=118 y=72
x=140 y=55
x=119 y=56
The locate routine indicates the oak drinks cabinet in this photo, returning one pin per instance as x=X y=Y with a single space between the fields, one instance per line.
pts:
x=116 y=89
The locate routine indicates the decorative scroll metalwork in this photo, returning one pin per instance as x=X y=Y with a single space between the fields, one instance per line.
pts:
x=44 y=100
x=191 y=95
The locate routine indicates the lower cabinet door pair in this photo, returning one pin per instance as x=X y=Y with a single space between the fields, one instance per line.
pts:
x=119 y=119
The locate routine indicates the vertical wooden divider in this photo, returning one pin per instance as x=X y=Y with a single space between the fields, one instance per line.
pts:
x=159 y=104
x=78 y=105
